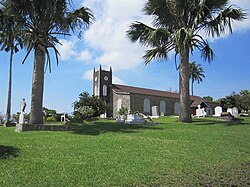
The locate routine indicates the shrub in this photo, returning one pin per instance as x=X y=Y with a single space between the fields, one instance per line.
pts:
x=88 y=107
x=123 y=111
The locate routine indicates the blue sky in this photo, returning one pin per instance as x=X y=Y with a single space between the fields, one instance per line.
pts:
x=105 y=43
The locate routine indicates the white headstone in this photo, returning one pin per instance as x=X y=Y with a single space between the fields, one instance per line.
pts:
x=200 y=112
x=155 y=111
x=235 y=111
x=230 y=110
x=217 y=111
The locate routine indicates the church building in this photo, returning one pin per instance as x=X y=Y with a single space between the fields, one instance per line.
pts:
x=140 y=99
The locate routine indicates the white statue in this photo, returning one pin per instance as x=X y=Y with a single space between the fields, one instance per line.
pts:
x=21 y=116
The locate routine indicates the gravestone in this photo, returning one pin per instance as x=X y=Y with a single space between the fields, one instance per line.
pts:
x=200 y=112
x=155 y=111
x=235 y=111
x=217 y=111
x=209 y=112
x=230 y=110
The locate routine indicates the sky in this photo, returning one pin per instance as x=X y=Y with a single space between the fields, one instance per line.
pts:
x=105 y=43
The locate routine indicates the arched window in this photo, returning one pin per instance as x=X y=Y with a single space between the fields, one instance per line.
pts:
x=96 y=91
x=177 y=108
x=119 y=104
x=146 y=105
x=162 y=107
x=104 y=90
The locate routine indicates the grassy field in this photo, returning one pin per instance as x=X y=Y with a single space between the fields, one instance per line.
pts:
x=207 y=152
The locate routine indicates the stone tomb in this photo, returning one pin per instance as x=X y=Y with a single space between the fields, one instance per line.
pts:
x=135 y=119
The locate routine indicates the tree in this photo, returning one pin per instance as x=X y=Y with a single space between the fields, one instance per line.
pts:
x=88 y=106
x=9 y=41
x=208 y=98
x=176 y=26
x=240 y=100
x=196 y=74
x=41 y=25
x=49 y=113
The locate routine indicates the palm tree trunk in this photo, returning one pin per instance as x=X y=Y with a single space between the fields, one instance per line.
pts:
x=8 y=110
x=192 y=87
x=185 y=111
x=36 y=115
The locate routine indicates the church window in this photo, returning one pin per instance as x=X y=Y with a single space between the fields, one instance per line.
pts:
x=119 y=104
x=146 y=105
x=96 y=91
x=104 y=89
x=162 y=107
x=177 y=108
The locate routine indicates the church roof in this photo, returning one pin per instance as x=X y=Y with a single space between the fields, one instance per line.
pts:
x=145 y=91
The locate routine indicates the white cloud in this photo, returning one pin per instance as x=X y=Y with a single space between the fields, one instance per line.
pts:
x=108 y=33
x=117 y=80
x=85 y=55
x=88 y=75
x=67 y=49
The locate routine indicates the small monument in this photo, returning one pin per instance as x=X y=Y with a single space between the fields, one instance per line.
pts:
x=200 y=112
x=19 y=125
x=235 y=111
x=155 y=113
x=22 y=107
x=63 y=118
x=230 y=110
x=217 y=111
x=135 y=119
x=209 y=111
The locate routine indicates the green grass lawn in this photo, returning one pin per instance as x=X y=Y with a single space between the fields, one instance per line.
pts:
x=207 y=152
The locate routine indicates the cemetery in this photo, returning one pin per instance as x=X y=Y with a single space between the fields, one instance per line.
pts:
x=106 y=153
x=123 y=135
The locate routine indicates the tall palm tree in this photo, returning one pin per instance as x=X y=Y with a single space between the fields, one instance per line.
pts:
x=196 y=74
x=176 y=26
x=9 y=41
x=42 y=25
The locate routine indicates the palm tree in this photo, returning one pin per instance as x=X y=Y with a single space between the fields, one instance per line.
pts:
x=9 y=41
x=196 y=74
x=42 y=24
x=176 y=26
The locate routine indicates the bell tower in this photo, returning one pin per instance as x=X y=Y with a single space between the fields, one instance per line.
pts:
x=102 y=82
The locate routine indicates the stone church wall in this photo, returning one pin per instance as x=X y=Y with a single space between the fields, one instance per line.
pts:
x=137 y=103
x=125 y=102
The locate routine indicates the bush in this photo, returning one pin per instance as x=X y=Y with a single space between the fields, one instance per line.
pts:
x=123 y=111
x=88 y=107
x=51 y=119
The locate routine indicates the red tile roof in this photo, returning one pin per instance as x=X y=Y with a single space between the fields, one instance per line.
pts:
x=145 y=91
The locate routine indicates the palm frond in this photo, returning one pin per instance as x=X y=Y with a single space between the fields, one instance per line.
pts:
x=156 y=53
x=222 y=22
